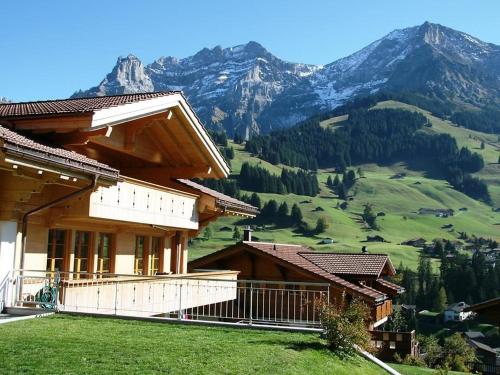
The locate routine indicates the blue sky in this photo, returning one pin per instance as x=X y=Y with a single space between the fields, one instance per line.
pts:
x=49 y=49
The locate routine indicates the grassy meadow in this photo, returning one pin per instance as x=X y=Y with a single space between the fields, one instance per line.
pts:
x=399 y=199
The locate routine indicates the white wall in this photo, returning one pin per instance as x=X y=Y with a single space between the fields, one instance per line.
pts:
x=8 y=234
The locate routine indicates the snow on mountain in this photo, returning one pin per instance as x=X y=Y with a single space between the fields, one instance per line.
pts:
x=246 y=89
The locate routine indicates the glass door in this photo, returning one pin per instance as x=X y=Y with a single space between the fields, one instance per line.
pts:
x=82 y=251
x=154 y=265
x=104 y=253
x=140 y=247
x=55 y=250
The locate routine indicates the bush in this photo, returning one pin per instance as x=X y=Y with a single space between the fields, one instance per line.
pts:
x=345 y=325
x=453 y=355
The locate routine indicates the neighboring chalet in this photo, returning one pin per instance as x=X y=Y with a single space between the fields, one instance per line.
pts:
x=487 y=311
x=358 y=275
x=457 y=312
x=97 y=186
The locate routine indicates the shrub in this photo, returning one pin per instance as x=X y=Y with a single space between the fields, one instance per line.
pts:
x=345 y=325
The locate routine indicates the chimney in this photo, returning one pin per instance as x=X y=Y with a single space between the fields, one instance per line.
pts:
x=247 y=234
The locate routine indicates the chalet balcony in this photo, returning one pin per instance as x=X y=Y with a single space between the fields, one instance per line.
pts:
x=143 y=296
x=205 y=295
x=138 y=202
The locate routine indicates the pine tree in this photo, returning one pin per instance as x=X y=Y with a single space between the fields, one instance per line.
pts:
x=341 y=191
x=398 y=321
x=369 y=216
x=440 y=302
x=336 y=181
x=270 y=209
x=321 y=225
x=236 y=234
x=283 y=210
x=424 y=281
x=329 y=182
x=438 y=248
x=255 y=200
x=296 y=214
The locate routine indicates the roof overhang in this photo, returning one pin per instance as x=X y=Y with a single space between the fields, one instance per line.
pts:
x=153 y=132
x=167 y=105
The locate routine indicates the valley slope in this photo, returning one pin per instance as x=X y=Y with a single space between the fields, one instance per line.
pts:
x=398 y=198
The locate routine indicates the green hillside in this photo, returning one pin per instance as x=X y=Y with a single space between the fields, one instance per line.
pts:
x=394 y=190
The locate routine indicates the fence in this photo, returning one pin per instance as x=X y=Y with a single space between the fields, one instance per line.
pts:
x=174 y=297
x=483 y=368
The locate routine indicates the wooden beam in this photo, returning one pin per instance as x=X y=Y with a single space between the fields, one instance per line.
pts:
x=179 y=172
x=142 y=149
x=80 y=137
x=55 y=123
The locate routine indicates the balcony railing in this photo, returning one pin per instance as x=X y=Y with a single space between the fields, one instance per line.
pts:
x=137 y=202
x=208 y=296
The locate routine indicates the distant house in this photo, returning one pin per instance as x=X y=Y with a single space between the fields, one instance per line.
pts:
x=375 y=238
x=485 y=353
x=488 y=311
x=356 y=275
x=439 y=212
x=326 y=241
x=456 y=313
x=415 y=242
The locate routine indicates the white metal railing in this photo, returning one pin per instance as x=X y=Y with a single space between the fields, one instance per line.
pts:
x=4 y=290
x=250 y=302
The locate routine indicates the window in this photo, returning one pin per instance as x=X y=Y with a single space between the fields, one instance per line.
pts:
x=55 y=250
x=82 y=253
x=154 y=266
x=392 y=344
x=379 y=344
x=140 y=242
x=104 y=251
x=399 y=337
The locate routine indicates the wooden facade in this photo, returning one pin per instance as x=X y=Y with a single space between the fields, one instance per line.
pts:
x=274 y=262
x=103 y=197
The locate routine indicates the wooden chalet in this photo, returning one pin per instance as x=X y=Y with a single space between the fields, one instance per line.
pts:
x=356 y=275
x=487 y=311
x=101 y=185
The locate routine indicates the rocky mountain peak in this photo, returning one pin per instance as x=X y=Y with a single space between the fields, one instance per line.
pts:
x=246 y=89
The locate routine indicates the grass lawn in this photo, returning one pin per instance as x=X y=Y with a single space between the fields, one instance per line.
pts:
x=414 y=370
x=84 y=345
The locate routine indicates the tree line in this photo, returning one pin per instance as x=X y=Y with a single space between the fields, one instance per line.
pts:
x=258 y=179
x=255 y=178
x=461 y=278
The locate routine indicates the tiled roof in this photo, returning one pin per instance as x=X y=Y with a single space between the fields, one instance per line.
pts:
x=222 y=200
x=295 y=255
x=387 y=284
x=18 y=144
x=77 y=105
x=349 y=264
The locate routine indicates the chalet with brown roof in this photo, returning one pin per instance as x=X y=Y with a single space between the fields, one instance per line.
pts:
x=100 y=186
x=356 y=275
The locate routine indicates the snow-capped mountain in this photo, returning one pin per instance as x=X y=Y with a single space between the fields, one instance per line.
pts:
x=246 y=89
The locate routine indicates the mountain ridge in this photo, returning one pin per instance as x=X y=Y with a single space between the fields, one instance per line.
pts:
x=247 y=90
